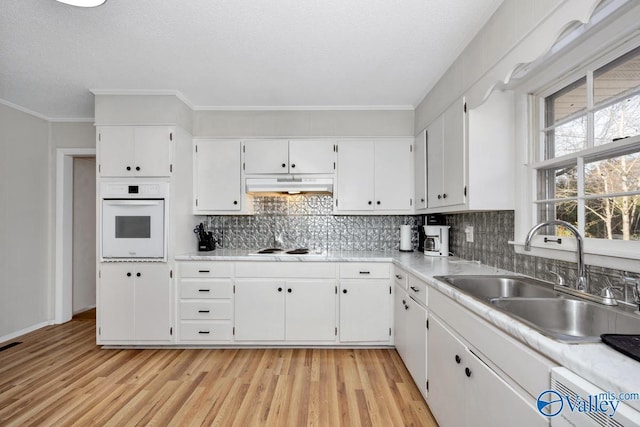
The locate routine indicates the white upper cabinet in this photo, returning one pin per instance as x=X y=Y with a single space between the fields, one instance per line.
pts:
x=134 y=151
x=278 y=156
x=420 y=158
x=470 y=157
x=217 y=185
x=375 y=176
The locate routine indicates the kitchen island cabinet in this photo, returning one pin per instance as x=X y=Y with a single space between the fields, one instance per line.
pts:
x=134 y=303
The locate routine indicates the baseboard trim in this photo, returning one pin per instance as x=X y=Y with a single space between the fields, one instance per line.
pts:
x=24 y=331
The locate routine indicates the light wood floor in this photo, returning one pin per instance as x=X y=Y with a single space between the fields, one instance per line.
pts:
x=59 y=377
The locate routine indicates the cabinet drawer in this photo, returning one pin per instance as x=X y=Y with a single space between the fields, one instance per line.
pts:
x=204 y=289
x=360 y=270
x=291 y=269
x=400 y=277
x=221 y=330
x=206 y=269
x=417 y=289
x=206 y=310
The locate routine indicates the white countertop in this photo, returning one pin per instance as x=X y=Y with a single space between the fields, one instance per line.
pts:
x=603 y=366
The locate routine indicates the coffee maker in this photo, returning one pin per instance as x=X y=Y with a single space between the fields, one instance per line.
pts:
x=436 y=240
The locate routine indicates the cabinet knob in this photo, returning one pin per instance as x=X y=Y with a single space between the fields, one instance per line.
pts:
x=344 y=291
x=458 y=360
x=406 y=307
x=369 y=202
x=284 y=165
x=444 y=196
x=128 y=168
x=414 y=289
x=289 y=290
x=128 y=274
x=137 y=168
x=293 y=165
x=279 y=289
x=138 y=274
x=378 y=202
x=421 y=200
x=467 y=372
x=439 y=196
x=404 y=302
x=235 y=202
x=399 y=277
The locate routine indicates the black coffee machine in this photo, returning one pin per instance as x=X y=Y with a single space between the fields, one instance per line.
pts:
x=430 y=219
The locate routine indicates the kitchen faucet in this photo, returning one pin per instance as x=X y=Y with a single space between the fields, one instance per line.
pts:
x=582 y=284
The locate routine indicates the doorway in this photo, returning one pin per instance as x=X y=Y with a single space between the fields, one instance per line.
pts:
x=65 y=300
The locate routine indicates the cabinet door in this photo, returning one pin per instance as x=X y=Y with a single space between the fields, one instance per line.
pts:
x=115 y=150
x=393 y=175
x=259 y=310
x=152 y=304
x=445 y=358
x=310 y=311
x=311 y=156
x=420 y=162
x=454 y=155
x=355 y=182
x=152 y=151
x=416 y=351
x=500 y=404
x=266 y=156
x=116 y=296
x=217 y=185
x=400 y=321
x=364 y=310
x=434 y=163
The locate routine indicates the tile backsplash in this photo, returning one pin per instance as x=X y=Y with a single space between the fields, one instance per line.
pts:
x=307 y=221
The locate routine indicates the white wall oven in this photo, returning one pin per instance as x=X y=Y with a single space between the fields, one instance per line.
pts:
x=133 y=224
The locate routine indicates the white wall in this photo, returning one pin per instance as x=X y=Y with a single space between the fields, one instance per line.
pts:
x=25 y=259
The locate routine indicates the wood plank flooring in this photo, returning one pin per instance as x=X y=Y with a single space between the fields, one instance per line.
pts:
x=59 y=377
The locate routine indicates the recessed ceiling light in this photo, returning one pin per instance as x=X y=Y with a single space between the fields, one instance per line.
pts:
x=83 y=3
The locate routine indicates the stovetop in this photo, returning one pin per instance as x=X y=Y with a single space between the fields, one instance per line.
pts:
x=284 y=251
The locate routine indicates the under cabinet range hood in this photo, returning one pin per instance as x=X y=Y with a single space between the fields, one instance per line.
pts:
x=289 y=184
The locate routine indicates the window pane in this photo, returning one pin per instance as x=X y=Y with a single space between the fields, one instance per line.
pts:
x=566 y=211
x=566 y=101
x=567 y=138
x=565 y=183
x=613 y=218
x=617 y=77
x=619 y=120
x=616 y=175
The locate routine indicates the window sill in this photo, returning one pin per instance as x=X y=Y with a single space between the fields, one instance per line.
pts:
x=598 y=253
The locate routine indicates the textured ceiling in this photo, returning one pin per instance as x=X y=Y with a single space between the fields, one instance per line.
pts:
x=232 y=53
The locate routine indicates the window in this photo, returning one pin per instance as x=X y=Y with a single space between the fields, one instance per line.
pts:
x=588 y=171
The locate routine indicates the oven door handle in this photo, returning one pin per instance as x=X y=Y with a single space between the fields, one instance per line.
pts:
x=132 y=202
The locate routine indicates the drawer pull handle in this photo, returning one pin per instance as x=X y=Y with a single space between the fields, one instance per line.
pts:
x=204 y=311
x=399 y=277
x=204 y=290
x=414 y=289
x=204 y=271
x=204 y=332
x=365 y=272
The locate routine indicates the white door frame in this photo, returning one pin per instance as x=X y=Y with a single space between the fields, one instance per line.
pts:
x=63 y=295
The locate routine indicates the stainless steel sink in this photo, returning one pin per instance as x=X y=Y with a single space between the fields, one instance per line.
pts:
x=554 y=314
x=487 y=287
x=570 y=320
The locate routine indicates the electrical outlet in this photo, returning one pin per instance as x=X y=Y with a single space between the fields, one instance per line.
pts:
x=468 y=232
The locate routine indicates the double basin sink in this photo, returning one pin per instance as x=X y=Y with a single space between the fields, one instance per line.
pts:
x=546 y=310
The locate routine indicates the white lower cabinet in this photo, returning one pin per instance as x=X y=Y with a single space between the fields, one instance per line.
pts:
x=410 y=337
x=291 y=310
x=482 y=383
x=365 y=310
x=134 y=303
